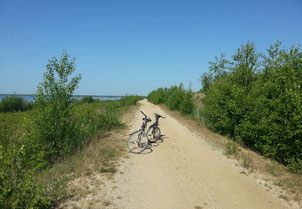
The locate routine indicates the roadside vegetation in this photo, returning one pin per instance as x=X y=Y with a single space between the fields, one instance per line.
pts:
x=32 y=143
x=256 y=99
x=175 y=97
x=15 y=104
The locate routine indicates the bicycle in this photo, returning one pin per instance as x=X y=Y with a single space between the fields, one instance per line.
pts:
x=154 y=132
x=138 y=140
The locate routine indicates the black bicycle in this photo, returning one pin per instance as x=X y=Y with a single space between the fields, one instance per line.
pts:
x=138 y=140
x=154 y=132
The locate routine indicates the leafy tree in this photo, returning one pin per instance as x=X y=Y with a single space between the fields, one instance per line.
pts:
x=244 y=66
x=206 y=80
x=218 y=69
x=52 y=125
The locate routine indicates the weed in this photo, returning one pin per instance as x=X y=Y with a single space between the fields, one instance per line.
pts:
x=108 y=152
x=231 y=148
x=108 y=170
x=273 y=169
x=284 y=197
x=297 y=198
x=247 y=161
x=106 y=203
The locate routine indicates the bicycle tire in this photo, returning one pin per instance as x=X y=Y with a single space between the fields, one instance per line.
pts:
x=154 y=135
x=135 y=143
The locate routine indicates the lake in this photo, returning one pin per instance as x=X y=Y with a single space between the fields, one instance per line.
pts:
x=30 y=98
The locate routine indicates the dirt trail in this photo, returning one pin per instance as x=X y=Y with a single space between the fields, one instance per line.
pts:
x=184 y=172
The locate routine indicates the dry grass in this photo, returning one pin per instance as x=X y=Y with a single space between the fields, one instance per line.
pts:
x=107 y=203
x=270 y=170
x=197 y=98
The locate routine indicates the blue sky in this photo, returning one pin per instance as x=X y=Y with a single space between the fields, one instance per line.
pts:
x=135 y=46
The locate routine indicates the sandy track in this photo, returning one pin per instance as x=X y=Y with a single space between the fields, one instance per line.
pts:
x=184 y=172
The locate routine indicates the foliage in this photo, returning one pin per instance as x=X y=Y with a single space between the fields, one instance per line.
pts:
x=129 y=100
x=157 y=96
x=258 y=102
x=51 y=126
x=175 y=97
x=14 y=104
x=218 y=69
x=87 y=99
x=17 y=185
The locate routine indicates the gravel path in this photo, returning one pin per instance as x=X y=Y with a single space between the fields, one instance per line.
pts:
x=183 y=171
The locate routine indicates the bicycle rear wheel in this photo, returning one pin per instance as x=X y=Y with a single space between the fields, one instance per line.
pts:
x=137 y=142
x=153 y=134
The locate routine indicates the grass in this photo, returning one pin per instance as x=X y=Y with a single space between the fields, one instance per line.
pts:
x=10 y=124
x=231 y=148
x=247 y=161
x=107 y=203
x=272 y=169
x=108 y=170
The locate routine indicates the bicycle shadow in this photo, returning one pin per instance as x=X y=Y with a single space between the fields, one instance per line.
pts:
x=148 y=150
x=152 y=145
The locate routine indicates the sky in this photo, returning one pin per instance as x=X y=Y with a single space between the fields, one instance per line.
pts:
x=125 y=47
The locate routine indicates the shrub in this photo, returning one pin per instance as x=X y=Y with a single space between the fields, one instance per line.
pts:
x=17 y=186
x=130 y=100
x=176 y=98
x=51 y=128
x=259 y=103
x=14 y=104
x=87 y=99
x=157 y=96
x=187 y=104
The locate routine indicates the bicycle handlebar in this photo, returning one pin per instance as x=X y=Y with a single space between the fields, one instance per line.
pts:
x=159 y=116
x=146 y=117
x=144 y=114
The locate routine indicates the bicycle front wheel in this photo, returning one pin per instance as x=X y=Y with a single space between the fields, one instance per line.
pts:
x=137 y=142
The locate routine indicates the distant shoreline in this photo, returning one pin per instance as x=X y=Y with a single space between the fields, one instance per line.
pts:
x=22 y=95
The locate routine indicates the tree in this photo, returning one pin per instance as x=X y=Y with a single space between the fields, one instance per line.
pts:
x=53 y=125
x=245 y=65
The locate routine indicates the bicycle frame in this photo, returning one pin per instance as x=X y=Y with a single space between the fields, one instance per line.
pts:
x=156 y=124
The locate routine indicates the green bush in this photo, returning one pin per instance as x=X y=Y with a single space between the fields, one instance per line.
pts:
x=129 y=100
x=260 y=103
x=17 y=185
x=187 y=106
x=87 y=99
x=157 y=96
x=52 y=127
x=176 y=98
x=14 y=104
